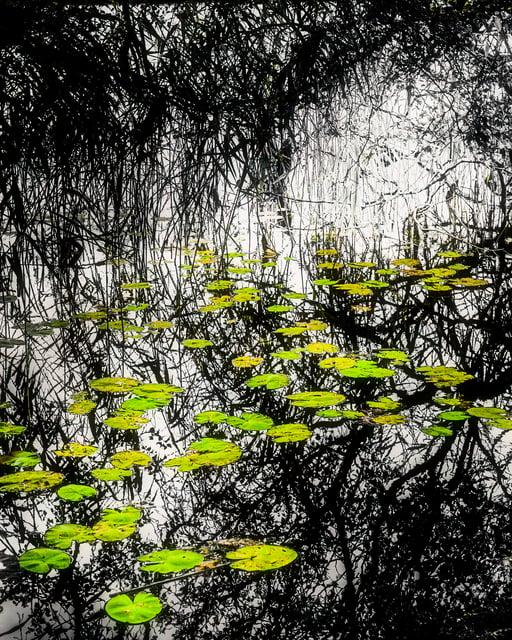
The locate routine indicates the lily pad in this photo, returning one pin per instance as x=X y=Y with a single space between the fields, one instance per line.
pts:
x=76 y=450
x=170 y=561
x=454 y=416
x=437 y=430
x=207 y=452
x=197 y=343
x=486 y=412
x=294 y=432
x=210 y=417
x=8 y=429
x=113 y=385
x=316 y=399
x=156 y=390
x=268 y=380
x=250 y=422
x=129 y=459
x=43 y=560
x=81 y=407
x=62 y=536
x=20 y=459
x=142 y=608
x=367 y=369
x=286 y=355
x=30 y=481
x=261 y=557
x=110 y=475
x=321 y=347
x=76 y=492
x=243 y=362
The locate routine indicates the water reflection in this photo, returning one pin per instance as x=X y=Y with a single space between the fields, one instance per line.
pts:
x=399 y=531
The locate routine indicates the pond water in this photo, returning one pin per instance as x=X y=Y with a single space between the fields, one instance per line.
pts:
x=305 y=421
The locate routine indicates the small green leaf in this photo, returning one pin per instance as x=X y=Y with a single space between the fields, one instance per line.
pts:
x=197 y=343
x=29 y=481
x=455 y=416
x=170 y=561
x=75 y=492
x=113 y=385
x=316 y=399
x=142 y=608
x=268 y=380
x=44 y=560
x=437 y=430
x=110 y=475
x=294 y=432
x=261 y=557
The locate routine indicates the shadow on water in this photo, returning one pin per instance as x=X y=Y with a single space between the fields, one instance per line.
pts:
x=154 y=266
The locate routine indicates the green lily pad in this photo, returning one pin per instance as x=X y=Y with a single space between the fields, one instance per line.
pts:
x=125 y=515
x=294 y=432
x=280 y=308
x=207 y=452
x=76 y=450
x=384 y=403
x=156 y=390
x=81 y=407
x=129 y=459
x=62 y=536
x=108 y=532
x=338 y=363
x=126 y=422
x=170 y=561
x=367 y=369
x=455 y=416
x=486 y=412
x=250 y=422
x=44 y=560
x=286 y=355
x=8 y=429
x=75 y=492
x=113 y=385
x=394 y=418
x=30 y=481
x=20 y=459
x=501 y=423
x=210 y=417
x=261 y=557
x=130 y=286
x=142 y=608
x=144 y=404
x=197 y=343
x=110 y=475
x=393 y=354
x=268 y=380
x=316 y=399
x=444 y=376
x=437 y=430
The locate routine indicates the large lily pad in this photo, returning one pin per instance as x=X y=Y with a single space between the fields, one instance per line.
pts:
x=250 y=422
x=63 y=535
x=316 y=399
x=261 y=557
x=268 y=380
x=30 y=481
x=293 y=432
x=20 y=459
x=43 y=560
x=76 y=492
x=7 y=429
x=76 y=450
x=170 y=560
x=113 y=385
x=207 y=452
x=142 y=608
x=129 y=459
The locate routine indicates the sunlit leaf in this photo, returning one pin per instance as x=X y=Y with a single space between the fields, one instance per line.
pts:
x=81 y=407
x=261 y=557
x=243 y=362
x=30 y=481
x=293 y=432
x=286 y=355
x=156 y=390
x=109 y=532
x=122 y=516
x=129 y=286
x=501 y=423
x=44 y=560
x=268 y=380
x=129 y=459
x=321 y=347
x=437 y=430
x=76 y=450
x=207 y=452
x=7 y=429
x=213 y=417
x=338 y=363
x=393 y=354
x=142 y=608
x=197 y=343
x=170 y=561
x=486 y=412
x=367 y=369
x=145 y=404
x=76 y=492
x=384 y=403
x=20 y=459
x=113 y=385
x=280 y=308
x=455 y=416
x=126 y=422
x=250 y=422
x=394 y=418
x=316 y=399
x=62 y=536
x=110 y=475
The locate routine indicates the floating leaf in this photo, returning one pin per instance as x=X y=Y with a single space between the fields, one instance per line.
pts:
x=197 y=344
x=437 y=430
x=20 y=459
x=250 y=422
x=393 y=354
x=125 y=515
x=109 y=532
x=455 y=416
x=30 y=481
x=142 y=608
x=126 y=422
x=286 y=355
x=144 y=404
x=316 y=399
x=442 y=376
x=213 y=417
x=129 y=286
x=157 y=390
x=110 y=475
x=294 y=432
x=243 y=362
x=129 y=459
x=76 y=450
x=451 y=402
x=8 y=429
x=207 y=452
x=337 y=363
x=384 y=403
x=280 y=308
x=486 y=412
x=321 y=347
x=44 y=560
x=367 y=369
x=62 y=536
x=354 y=289
x=324 y=282
x=113 y=385
x=81 y=407
x=469 y=282
x=291 y=331
x=394 y=418
x=294 y=296
x=219 y=285
x=261 y=557
x=501 y=423
x=170 y=561
x=75 y=492
x=268 y=380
